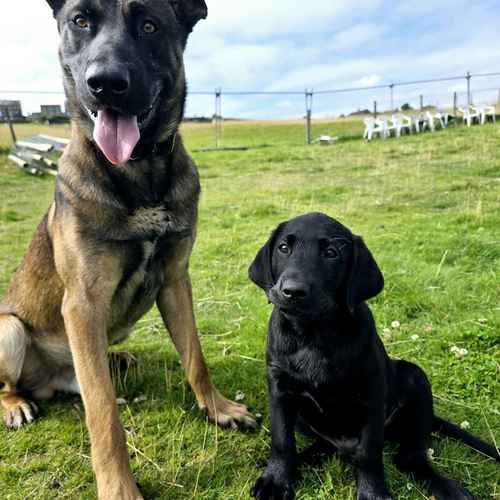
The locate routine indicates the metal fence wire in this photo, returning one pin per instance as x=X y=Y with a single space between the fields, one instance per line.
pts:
x=314 y=106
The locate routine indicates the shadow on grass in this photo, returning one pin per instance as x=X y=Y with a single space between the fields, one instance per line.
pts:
x=226 y=149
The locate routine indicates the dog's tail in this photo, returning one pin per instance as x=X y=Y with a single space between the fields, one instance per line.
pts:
x=451 y=430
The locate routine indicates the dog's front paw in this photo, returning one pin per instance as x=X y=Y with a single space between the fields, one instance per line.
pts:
x=374 y=494
x=268 y=487
x=19 y=412
x=447 y=489
x=228 y=414
x=371 y=487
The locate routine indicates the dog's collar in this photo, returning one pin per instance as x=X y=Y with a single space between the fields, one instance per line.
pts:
x=146 y=151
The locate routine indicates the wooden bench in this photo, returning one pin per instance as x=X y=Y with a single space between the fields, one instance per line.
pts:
x=38 y=155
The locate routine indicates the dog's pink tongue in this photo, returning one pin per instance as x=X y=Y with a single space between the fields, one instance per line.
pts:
x=116 y=136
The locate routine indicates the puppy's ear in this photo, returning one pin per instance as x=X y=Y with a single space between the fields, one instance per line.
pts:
x=261 y=269
x=365 y=279
x=190 y=12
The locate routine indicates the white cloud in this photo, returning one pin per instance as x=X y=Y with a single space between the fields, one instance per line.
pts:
x=356 y=36
x=368 y=81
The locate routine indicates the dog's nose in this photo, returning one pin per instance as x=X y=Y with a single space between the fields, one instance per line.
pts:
x=108 y=81
x=292 y=289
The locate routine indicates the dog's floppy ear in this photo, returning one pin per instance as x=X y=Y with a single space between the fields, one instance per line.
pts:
x=190 y=11
x=261 y=269
x=365 y=279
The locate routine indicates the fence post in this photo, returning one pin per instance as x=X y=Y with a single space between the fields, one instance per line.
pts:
x=218 y=117
x=309 y=102
x=391 y=86
x=469 y=94
x=375 y=113
x=9 y=122
x=455 y=106
x=421 y=102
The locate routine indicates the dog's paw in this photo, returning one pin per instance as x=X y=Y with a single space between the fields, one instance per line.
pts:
x=228 y=414
x=374 y=495
x=269 y=487
x=447 y=489
x=370 y=488
x=20 y=414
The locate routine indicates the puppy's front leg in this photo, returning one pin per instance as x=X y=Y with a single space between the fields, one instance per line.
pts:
x=277 y=480
x=85 y=324
x=369 y=457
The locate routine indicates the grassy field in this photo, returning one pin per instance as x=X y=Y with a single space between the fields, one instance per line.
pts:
x=427 y=206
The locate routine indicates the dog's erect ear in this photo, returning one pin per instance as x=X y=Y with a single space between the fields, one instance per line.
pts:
x=190 y=11
x=56 y=5
x=261 y=269
x=365 y=279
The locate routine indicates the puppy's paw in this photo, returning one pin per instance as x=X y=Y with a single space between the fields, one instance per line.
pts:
x=19 y=413
x=374 y=495
x=447 y=489
x=270 y=487
x=372 y=488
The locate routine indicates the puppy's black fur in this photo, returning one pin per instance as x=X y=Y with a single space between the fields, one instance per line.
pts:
x=328 y=372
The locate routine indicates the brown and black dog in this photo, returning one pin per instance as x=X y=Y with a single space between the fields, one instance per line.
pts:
x=118 y=236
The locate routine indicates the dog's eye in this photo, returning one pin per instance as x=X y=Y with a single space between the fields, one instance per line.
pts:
x=331 y=253
x=81 y=22
x=284 y=248
x=149 y=28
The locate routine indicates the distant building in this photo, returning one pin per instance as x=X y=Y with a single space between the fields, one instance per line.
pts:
x=14 y=109
x=49 y=110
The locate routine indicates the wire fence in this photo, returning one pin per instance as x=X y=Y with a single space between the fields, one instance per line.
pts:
x=219 y=108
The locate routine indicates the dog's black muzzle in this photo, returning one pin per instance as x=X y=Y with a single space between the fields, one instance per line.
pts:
x=295 y=295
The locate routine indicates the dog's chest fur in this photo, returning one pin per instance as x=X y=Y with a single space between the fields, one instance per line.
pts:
x=146 y=269
x=321 y=379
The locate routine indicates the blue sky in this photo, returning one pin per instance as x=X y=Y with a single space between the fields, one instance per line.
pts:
x=293 y=45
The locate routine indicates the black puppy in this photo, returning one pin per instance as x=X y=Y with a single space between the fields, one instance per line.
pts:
x=328 y=372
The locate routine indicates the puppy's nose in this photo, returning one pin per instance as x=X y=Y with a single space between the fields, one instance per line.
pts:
x=108 y=81
x=292 y=289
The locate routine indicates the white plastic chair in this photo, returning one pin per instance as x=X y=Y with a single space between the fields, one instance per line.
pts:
x=415 y=122
x=488 y=112
x=443 y=118
x=374 y=127
x=433 y=120
x=470 y=114
x=400 y=123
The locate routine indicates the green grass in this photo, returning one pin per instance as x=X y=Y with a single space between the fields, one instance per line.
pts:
x=428 y=207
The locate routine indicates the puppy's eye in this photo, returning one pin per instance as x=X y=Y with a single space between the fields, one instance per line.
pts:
x=149 y=28
x=284 y=248
x=81 y=22
x=331 y=253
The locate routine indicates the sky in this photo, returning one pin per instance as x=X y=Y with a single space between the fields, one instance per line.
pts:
x=291 y=45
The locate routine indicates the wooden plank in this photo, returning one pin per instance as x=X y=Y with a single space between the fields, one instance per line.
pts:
x=25 y=166
x=18 y=161
x=59 y=143
x=50 y=163
x=50 y=138
x=38 y=162
x=42 y=148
